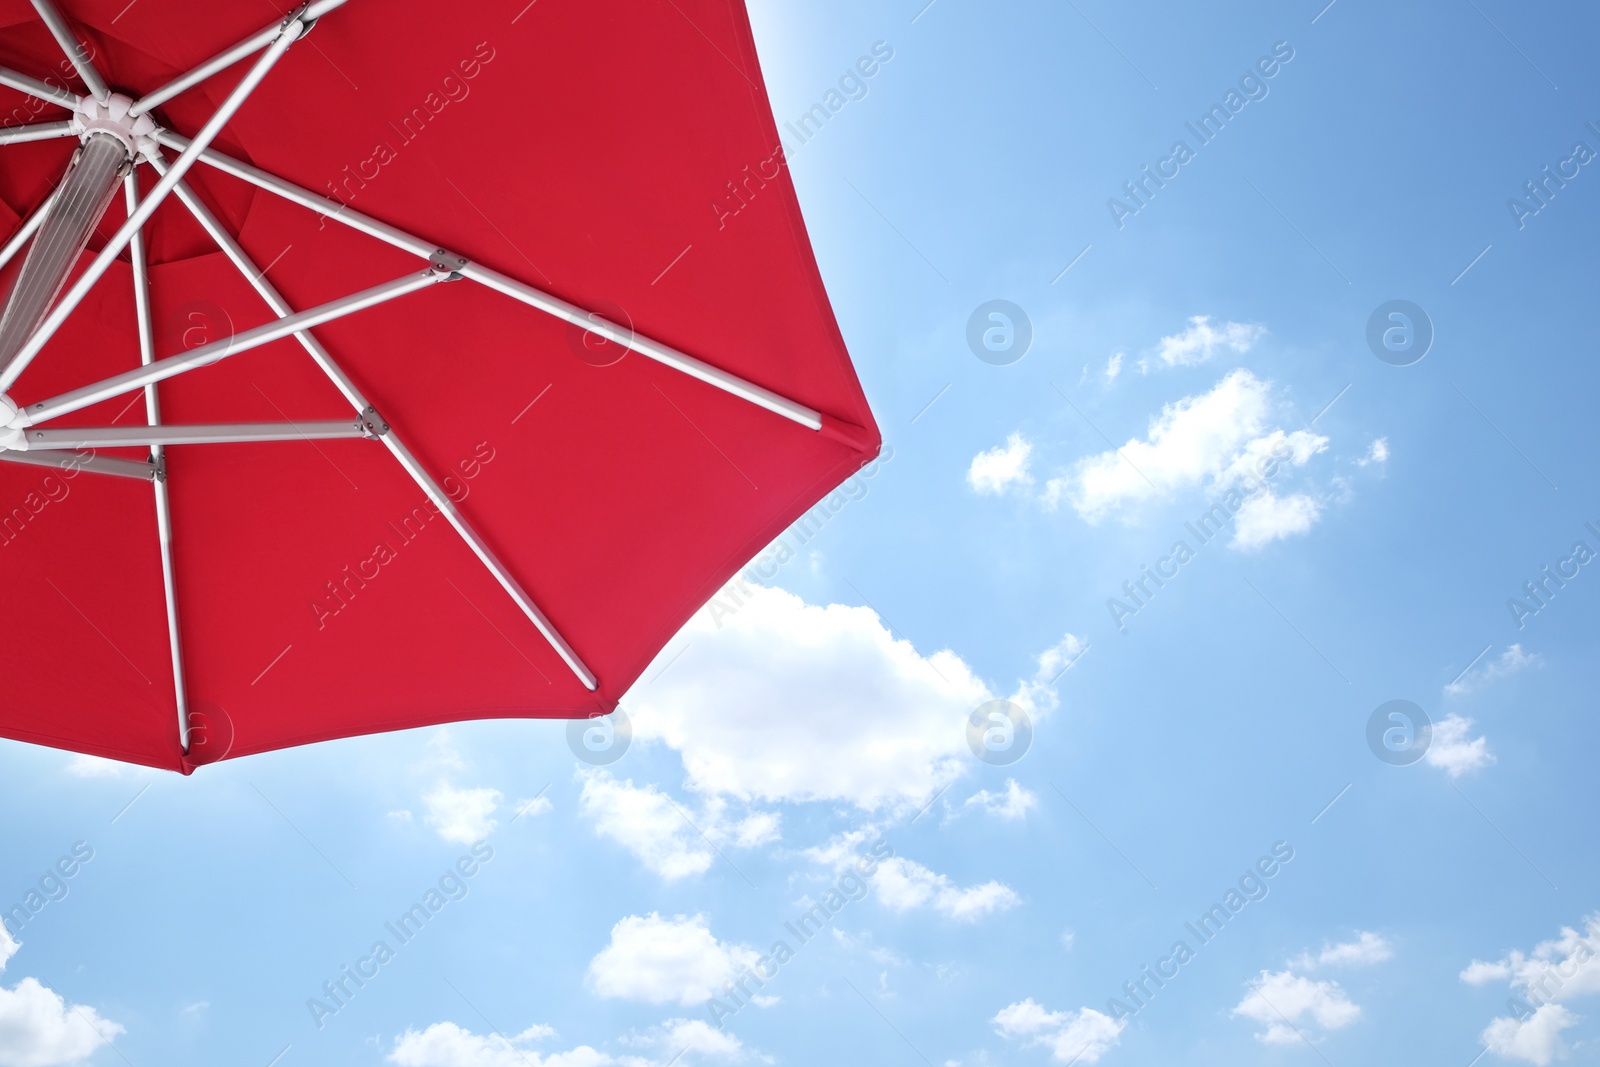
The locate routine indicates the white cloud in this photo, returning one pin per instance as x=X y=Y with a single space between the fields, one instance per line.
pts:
x=1377 y=454
x=38 y=1028
x=1558 y=969
x=666 y=961
x=1509 y=662
x=1452 y=751
x=1014 y=803
x=8 y=946
x=789 y=701
x=448 y=1045
x=1082 y=1036
x=644 y=822
x=1001 y=467
x=1283 y=1001
x=1216 y=435
x=1201 y=340
x=1555 y=971
x=1368 y=948
x=464 y=816
x=1113 y=368
x=85 y=766
x=696 y=1035
x=904 y=885
x=1267 y=517
x=1537 y=1040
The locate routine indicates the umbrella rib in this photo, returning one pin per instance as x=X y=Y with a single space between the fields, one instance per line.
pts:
x=419 y=474
x=76 y=54
x=223 y=60
x=38 y=131
x=152 y=403
x=517 y=290
x=26 y=230
x=39 y=90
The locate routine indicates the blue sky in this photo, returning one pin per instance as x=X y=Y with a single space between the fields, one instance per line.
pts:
x=815 y=725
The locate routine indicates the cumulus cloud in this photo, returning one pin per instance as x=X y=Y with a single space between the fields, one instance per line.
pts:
x=464 y=816
x=1013 y=804
x=1555 y=971
x=788 y=701
x=1368 y=948
x=666 y=961
x=904 y=885
x=38 y=1028
x=1002 y=467
x=1201 y=341
x=1267 y=517
x=448 y=1045
x=8 y=946
x=1287 y=1003
x=659 y=832
x=1219 y=438
x=1081 y=1036
x=1377 y=454
x=1536 y=1040
x=1512 y=661
x=1454 y=751
x=643 y=821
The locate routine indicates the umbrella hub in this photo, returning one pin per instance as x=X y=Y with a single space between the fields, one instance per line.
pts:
x=136 y=132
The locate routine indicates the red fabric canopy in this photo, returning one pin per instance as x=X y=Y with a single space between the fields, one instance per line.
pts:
x=581 y=148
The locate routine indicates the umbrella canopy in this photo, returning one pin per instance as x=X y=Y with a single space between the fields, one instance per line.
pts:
x=424 y=364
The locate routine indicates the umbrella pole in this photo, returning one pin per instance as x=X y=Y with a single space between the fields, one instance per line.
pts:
x=407 y=459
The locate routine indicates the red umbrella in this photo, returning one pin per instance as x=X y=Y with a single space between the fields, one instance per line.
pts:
x=468 y=352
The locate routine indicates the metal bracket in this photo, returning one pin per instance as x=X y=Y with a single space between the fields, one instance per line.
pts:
x=447 y=263
x=158 y=467
x=372 y=424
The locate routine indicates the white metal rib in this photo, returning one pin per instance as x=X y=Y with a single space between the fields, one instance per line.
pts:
x=521 y=291
x=147 y=206
x=39 y=131
x=26 y=230
x=223 y=60
x=69 y=44
x=39 y=90
x=172 y=366
x=152 y=405
x=413 y=466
